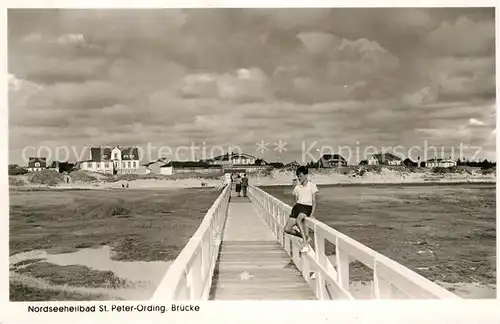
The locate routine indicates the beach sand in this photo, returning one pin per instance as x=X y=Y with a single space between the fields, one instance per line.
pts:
x=275 y=177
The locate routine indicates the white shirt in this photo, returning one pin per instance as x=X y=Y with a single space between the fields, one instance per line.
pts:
x=305 y=193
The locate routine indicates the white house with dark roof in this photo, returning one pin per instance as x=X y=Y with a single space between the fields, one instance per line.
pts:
x=384 y=159
x=113 y=160
x=331 y=160
x=234 y=159
x=440 y=163
x=37 y=164
x=237 y=162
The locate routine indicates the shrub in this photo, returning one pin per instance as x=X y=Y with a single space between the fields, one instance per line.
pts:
x=14 y=181
x=83 y=176
x=46 y=177
x=106 y=210
x=440 y=170
x=488 y=171
x=374 y=168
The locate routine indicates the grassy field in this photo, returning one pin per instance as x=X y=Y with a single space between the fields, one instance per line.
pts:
x=139 y=225
x=445 y=233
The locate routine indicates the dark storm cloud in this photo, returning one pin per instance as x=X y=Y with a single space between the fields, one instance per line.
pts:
x=248 y=74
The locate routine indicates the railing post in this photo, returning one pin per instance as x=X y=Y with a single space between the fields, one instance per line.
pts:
x=184 y=293
x=342 y=259
x=195 y=282
x=287 y=244
x=276 y=220
x=205 y=255
x=381 y=288
x=296 y=255
x=319 y=246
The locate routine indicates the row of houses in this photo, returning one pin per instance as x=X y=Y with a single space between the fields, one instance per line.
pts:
x=336 y=160
x=126 y=160
x=117 y=160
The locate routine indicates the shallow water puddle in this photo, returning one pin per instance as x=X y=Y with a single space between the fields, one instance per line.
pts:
x=471 y=290
x=363 y=290
x=100 y=259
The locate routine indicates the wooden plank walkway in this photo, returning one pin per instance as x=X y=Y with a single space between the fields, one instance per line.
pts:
x=251 y=263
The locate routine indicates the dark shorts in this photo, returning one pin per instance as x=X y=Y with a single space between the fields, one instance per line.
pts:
x=238 y=187
x=299 y=208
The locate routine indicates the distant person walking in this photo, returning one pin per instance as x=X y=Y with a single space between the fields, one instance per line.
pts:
x=305 y=205
x=244 y=185
x=237 y=181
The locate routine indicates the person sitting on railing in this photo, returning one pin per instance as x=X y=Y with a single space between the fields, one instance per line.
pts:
x=305 y=205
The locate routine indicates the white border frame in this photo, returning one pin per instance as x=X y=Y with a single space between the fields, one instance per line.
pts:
x=466 y=311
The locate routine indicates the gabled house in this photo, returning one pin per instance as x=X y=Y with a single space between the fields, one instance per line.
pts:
x=331 y=161
x=384 y=159
x=237 y=162
x=114 y=160
x=233 y=158
x=172 y=167
x=440 y=163
x=156 y=166
x=37 y=164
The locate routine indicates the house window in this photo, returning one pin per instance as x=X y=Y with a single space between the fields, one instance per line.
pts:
x=124 y=164
x=131 y=156
x=105 y=156
x=106 y=165
x=135 y=164
x=37 y=164
x=116 y=155
x=128 y=164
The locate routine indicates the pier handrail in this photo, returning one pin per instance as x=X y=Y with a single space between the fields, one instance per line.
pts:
x=332 y=280
x=189 y=277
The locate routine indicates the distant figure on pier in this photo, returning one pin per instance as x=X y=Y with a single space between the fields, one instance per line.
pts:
x=244 y=185
x=305 y=205
x=237 y=181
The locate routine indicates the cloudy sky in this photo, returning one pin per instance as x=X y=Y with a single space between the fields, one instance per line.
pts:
x=312 y=78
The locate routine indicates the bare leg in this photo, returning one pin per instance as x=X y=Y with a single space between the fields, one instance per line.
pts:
x=289 y=227
x=300 y=224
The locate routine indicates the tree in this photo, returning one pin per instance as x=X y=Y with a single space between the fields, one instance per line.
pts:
x=15 y=169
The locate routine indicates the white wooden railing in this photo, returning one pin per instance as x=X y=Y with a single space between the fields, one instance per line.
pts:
x=330 y=280
x=189 y=277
